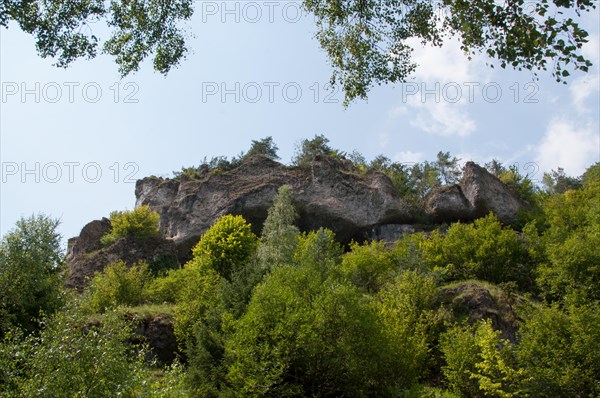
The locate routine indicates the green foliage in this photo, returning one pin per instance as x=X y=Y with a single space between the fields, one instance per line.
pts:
x=309 y=149
x=169 y=287
x=483 y=250
x=475 y=365
x=139 y=29
x=31 y=268
x=522 y=185
x=366 y=41
x=304 y=335
x=560 y=351
x=73 y=358
x=227 y=244
x=117 y=285
x=279 y=235
x=139 y=223
x=369 y=266
x=559 y=182
x=163 y=263
x=265 y=147
x=406 y=307
x=319 y=249
x=571 y=241
x=448 y=168
x=199 y=299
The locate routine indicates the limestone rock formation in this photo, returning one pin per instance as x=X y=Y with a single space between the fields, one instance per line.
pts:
x=330 y=194
x=478 y=193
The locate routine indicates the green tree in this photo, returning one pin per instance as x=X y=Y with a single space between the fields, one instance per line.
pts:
x=479 y=362
x=558 y=182
x=308 y=335
x=406 y=306
x=366 y=41
x=279 y=236
x=307 y=150
x=228 y=243
x=139 y=29
x=265 y=147
x=31 y=268
x=571 y=260
x=139 y=223
x=482 y=250
x=369 y=266
x=521 y=184
x=448 y=168
x=320 y=250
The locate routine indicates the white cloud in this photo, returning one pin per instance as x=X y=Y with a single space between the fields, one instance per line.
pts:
x=447 y=63
x=409 y=157
x=581 y=89
x=437 y=101
x=591 y=49
x=442 y=118
x=568 y=145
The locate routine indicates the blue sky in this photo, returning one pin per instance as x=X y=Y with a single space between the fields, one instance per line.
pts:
x=74 y=141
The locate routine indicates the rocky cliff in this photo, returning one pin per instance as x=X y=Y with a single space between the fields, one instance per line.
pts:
x=330 y=193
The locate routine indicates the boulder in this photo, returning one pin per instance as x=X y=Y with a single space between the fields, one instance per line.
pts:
x=478 y=193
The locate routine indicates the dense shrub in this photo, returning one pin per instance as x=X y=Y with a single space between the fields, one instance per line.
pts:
x=571 y=243
x=369 y=266
x=319 y=249
x=117 y=285
x=304 y=335
x=479 y=362
x=73 y=358
x=227 y=244
x=559 y=351
x=483 y=250
x=140 y=223
x=406 y=306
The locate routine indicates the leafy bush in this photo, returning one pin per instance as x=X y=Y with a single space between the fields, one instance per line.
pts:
x=406 y=307
x=139 y=223
x=199 y=297
x=168 y=288
x=479 y=362
x=571 y=241
x=117 y=285
x=31 y=266
x=228 y=243
x=483 y=250
x=74 y=358
x=369 y=266
x=304 y=335
x=560 y=351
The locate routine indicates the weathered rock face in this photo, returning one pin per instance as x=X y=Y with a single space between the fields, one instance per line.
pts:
x=89 y=238
x=478 y=193
x=87 y=256
x=329 y=194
